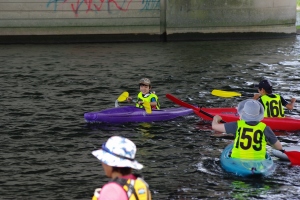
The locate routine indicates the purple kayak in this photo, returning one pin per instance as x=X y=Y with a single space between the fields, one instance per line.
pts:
x=132 y=114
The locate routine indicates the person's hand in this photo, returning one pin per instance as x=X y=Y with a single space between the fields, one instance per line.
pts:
x=293 y=100
x=129 y=99
x=256 y=96
x=282 y=150
x=217 y=118
x=140 y=102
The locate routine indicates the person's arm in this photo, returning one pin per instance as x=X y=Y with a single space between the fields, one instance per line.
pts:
x=256 y=96
x=277 y=145
x=216 y=124
x=290 y=105
x=153 y=102
x=272 y=139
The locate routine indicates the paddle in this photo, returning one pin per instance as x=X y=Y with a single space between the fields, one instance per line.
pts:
x=184 y=104
x=228 y=94
x=294 y=156
x=123 y=97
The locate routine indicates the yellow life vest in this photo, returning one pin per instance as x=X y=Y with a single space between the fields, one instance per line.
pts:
x=272 y=105
x=250 y=141
x=135 y=189
x=147 y=98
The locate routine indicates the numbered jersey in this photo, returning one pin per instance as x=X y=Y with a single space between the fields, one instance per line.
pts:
x=272 y=105
x=250 y=141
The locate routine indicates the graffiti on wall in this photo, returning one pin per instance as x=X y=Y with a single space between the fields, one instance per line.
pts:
x=150 y=4
x=99 y=5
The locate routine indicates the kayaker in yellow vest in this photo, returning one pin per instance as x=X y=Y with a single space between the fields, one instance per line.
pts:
x=273 y=103
x=117 y=157
x=146 y=95
x=251 y=135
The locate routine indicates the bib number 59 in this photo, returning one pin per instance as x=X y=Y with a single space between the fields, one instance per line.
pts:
x=249 y=139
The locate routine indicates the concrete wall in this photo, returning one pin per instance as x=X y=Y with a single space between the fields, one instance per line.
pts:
x=52 y=17
x=151 y=18
x=222 y=16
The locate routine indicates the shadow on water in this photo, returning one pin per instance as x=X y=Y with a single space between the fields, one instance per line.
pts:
x=46 y=144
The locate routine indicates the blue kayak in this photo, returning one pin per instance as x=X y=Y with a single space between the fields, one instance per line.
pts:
x=246 y=167
x=127 y=114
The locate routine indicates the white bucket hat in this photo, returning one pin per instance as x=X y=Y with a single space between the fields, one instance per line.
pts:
x=118 y=152
x=251 y=110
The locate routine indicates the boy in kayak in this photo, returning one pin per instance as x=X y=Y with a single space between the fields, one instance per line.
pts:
x=251 y=135
x=146 y=95
x=117 y=157
x=273 y=103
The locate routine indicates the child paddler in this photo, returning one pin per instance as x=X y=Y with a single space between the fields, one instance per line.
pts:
x=273 y=103
x=251 y=135
x=145 y=95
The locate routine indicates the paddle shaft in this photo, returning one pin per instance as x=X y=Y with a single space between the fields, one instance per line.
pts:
x=209 y=115
x=184 y=104
x=181 y=103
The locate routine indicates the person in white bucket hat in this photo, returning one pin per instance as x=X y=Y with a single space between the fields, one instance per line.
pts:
x=251 y=135
x=118 y=160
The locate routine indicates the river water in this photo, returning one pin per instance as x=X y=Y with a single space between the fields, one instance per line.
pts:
x=46 y=144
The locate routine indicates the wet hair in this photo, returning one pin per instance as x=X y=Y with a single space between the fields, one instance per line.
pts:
x=266 y=85
x=144 y=84
x=122 y=170
x=268 y=91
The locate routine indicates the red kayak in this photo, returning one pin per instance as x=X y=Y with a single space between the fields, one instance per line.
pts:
x=230 y=115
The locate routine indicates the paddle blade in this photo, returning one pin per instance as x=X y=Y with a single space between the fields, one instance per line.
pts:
x=294 y=157
x=226 y=94
x=123 y=96
x=147 y=107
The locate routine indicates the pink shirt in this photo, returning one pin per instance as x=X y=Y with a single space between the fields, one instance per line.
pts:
x=113 y=191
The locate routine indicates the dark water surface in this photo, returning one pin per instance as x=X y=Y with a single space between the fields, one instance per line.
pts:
x=46 y=144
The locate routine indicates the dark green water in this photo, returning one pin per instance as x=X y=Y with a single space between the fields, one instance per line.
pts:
x=46 y=144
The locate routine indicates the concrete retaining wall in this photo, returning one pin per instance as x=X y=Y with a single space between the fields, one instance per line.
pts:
x=150 y=18
x=64 y=17
x=222 y=16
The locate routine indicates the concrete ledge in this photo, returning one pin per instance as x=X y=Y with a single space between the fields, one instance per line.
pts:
x=65 y=39
x=227 y=36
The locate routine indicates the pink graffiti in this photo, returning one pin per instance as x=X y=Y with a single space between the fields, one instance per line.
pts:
x=92 y=5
